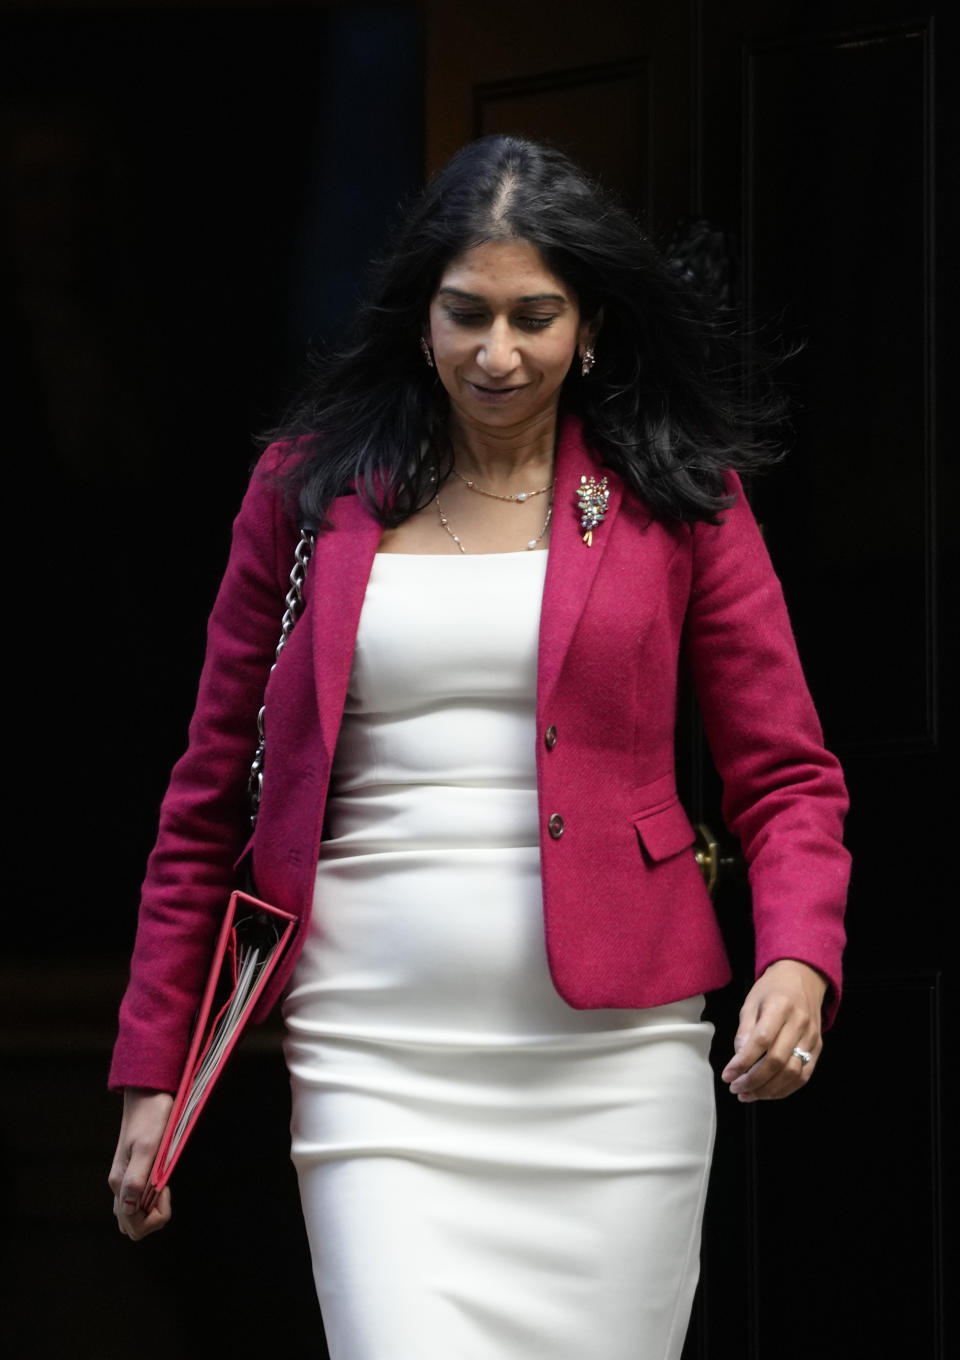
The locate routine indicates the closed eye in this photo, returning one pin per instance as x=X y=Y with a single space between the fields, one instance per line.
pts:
x=530 y=323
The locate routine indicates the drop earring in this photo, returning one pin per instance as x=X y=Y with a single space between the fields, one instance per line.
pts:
x=427 y=352
x=588 y=361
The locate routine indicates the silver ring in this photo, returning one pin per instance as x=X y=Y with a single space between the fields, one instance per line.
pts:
x=803 y=1055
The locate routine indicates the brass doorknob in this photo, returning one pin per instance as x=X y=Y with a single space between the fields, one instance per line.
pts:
x=712 y=863
x=706 y=851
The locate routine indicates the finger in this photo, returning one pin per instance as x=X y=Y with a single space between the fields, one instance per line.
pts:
x=140 y=1224
x=136 y=1176
x=780 y=1072
x=130 y=1194
x=117 y=1170
x=124 y=1202
x=755 y=1037
x=777 y=1074
x=159 y=1214
x=741 y=1060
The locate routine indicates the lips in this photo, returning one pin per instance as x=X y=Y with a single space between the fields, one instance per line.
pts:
x=486 y=393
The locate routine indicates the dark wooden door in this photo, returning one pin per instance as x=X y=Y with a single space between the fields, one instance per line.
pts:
x=808 y=133
x=818 y=149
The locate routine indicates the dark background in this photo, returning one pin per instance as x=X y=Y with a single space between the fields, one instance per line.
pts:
x=190 y=194
x=192 y=199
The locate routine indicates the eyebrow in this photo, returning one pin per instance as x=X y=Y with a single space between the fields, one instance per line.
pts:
x=528 y=297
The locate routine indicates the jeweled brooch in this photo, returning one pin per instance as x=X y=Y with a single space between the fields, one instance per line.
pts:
x=592 y=498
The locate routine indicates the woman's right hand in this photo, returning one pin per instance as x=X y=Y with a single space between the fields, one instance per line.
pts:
x=144 y=1118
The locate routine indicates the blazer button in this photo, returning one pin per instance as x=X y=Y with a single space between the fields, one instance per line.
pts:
x=550 y=737
x=555 y=826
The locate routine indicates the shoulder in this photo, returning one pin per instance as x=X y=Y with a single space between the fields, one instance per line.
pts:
x=735 y=530
x=275 y=483
x=267 y=525
x=280 y=468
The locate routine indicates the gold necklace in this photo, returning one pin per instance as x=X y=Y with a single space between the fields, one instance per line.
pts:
x=521 y=496
x=532 y=543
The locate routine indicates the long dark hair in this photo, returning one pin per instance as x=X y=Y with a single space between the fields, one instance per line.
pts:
x=665 y=405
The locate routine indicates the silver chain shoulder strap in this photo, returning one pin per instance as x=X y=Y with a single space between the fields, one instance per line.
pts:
x=294 y=605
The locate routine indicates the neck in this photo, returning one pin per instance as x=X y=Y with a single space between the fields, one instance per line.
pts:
x=499 y=458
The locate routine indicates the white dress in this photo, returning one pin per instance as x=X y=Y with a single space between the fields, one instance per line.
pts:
x=486 y=1172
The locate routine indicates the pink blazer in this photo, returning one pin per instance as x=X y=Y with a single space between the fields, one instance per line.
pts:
x=628 y=921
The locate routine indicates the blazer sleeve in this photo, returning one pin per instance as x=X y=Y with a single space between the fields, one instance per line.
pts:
x=783 y=792
x=204 y=815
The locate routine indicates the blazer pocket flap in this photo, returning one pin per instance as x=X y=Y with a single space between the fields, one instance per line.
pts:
x=665 y=831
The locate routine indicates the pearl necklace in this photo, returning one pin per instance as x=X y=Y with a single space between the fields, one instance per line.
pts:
x=456 y=538
x=521 y=496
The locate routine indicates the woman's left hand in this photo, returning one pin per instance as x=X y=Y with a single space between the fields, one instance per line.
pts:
x=781 y=1013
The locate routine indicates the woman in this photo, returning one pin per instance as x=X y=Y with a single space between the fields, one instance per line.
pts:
x=524 y=466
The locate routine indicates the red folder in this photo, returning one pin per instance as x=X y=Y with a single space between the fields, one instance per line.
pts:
x=253 y=939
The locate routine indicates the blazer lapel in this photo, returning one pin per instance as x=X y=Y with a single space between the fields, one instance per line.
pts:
x=572 y=565
x=343 y=558
x=340 y=570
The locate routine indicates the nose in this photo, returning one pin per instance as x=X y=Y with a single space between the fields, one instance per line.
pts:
x=497 y=354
